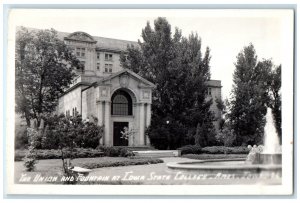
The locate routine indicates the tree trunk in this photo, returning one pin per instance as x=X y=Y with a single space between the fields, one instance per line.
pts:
x=27 y=121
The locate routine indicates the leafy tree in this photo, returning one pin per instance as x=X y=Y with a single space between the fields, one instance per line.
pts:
x=275 y=95
x=249 y=97
x=180 y=71
x=44 y=68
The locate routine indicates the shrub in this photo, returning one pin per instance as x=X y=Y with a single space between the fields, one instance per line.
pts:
x=128 y=162
x=49 y=140
x=158 y=137
x=215 y=156
x=56 y=154
x=90 y=136
x=194 y=149
x=226 y=136
x=225 y=150
x=205 y=134
x=30 y=159
x=116 y=151
x=66 y=131
x=190 y=149
x=21 y=139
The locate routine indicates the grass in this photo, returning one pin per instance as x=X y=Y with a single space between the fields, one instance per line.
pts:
x=214 y=156
x=53 y=167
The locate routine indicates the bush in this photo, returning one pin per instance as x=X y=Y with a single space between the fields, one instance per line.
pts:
x=49 y=139
x=226 y=137
x=66 y=131
x=21 y=139
x=215 y=156
x=56 y=154
x=194 y=149
x=190 y=149
x=30 y=158
x=116 y=151
x=128 y=162
x=225 y=150
x=158 y=137
x=89 y=135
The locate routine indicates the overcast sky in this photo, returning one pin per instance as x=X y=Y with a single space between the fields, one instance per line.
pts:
x=225 y=32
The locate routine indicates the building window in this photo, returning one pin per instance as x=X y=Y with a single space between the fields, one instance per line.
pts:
x=98 y=55
x=209 y=91
x=98 y=66
x=80 y=52
x=108 y=68
x=121 y=103
x=83 y=64
x=108 y=57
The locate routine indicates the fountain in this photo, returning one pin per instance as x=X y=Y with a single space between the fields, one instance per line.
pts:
x=261 y=161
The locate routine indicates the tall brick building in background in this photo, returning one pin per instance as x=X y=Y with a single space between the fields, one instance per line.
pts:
x=117 y=97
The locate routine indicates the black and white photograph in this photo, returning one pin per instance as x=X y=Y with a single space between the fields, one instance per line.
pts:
x=150 y=101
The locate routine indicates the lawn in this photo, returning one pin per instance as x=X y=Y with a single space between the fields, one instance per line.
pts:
x=52 y=168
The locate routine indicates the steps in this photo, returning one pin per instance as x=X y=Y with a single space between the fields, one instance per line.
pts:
x=141 y=148
x=157 y=153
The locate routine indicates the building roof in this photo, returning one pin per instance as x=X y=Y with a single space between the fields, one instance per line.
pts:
x=101 y=42
x=105 y=43
x=125 y=70
x=214 y=83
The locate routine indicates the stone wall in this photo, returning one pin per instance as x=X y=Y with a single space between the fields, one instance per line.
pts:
x=89 y=103
x=70 y=101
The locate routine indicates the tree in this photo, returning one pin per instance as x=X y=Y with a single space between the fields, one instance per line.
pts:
x=180 y=71
x=44 y=68
x=249 y=97
x=275 y=97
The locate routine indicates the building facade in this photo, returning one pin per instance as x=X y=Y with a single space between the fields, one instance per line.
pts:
x=117 y=97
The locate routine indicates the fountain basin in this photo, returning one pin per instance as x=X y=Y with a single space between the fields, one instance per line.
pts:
x=267 y=158
x=237 y=167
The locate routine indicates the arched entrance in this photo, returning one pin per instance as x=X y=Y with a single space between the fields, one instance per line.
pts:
x=121 y=108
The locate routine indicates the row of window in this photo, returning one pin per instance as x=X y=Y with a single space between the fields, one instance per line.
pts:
x=74 y=112
x=80 y=52
x=108 y=67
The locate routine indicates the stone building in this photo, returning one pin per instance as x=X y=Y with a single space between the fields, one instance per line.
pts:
x=117 y=97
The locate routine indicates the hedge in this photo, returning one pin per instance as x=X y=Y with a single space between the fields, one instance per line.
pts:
x=56 y=154
x=225 y=150
x=128 y=162
x=190 y=149
x=78 y=153
x=115 y=151
x=194 y=149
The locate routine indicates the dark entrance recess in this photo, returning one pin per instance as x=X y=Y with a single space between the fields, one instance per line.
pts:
x=118 y=127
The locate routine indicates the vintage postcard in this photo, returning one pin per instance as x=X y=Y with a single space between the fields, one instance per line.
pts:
x=149 y=101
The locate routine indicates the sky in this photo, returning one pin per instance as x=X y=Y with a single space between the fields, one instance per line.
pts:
x=225 y=32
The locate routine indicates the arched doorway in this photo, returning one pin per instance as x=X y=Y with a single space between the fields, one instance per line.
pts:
x=121 y=103
x=121 y=106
